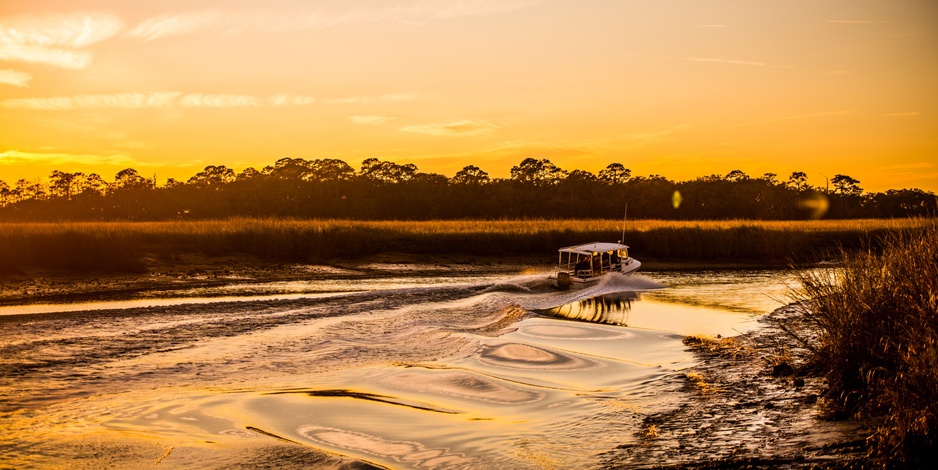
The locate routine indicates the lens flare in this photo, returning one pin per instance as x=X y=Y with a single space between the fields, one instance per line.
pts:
x=676 y=199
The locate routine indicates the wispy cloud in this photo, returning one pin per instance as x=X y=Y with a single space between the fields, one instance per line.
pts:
x=370 y=120
x=467 y=127
x=352 y=100
x=116 y=100
x=15 y=77
x=907 y=114
x=859 y=21
x=446 y=9
x=56 y=40
x=735 y=62
x=15 y=157
x=179 y=24
x=230 y=22
x=374 y=99
x=199 y=100
x=286 y=99
x=153 y=100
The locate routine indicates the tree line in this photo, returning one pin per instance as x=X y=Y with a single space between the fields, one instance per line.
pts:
x=536 y=188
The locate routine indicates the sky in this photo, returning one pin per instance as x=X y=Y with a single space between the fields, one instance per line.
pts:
x=678 y=88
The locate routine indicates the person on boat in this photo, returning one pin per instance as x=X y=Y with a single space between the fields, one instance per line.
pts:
x=614 y=258
x=582 y=265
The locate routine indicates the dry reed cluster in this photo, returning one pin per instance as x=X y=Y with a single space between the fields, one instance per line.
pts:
x=877 y=341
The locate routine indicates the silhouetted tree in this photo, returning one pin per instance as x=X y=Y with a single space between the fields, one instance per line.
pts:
x=615 y=173
x=249 y=173
x=4 y=193
x=846 y=185
x=27 y=190
x=798 y=181
x=736 y=176
x=581 y=176
x=93 y=184
x=906 y=203
x=470 y=175
x=537 y=172
x=291 y=169
x=331 y=169
x=770 y=178
x=212 y=177
x=387 y=172
x=128 y=179
x=62 y=184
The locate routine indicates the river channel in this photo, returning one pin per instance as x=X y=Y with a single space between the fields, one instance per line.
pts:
x=467 y=371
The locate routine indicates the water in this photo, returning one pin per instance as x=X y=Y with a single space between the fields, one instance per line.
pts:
x=467 y=372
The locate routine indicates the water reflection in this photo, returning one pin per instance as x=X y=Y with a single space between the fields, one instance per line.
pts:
x=610 y=309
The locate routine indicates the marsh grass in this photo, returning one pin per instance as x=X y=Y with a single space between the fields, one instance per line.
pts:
x=122 y=246
x=876 y=320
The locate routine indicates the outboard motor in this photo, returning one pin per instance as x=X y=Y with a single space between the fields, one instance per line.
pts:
x=563 y=280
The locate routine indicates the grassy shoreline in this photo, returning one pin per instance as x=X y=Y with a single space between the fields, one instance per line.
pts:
x=873 y=330
x=130 y=246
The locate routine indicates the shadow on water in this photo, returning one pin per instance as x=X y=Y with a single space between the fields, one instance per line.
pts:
x=610 y=309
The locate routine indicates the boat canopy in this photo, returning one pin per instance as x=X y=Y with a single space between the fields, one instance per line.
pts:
x=595 y=247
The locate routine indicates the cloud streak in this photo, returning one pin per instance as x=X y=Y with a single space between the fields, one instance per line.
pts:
x=372 y=99
x=735 y=62
x=153 y=100
x=15 y=78
x=15 y=157
x=467 y=127
x=859 y=21
x=199 y=100
x=105 y=101
x=56 y=40
x=286 y=99
x=232 y=22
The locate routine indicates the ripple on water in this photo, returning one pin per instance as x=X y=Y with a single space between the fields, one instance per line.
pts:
x=525 y=356
x=461 y=384
x=407 y=452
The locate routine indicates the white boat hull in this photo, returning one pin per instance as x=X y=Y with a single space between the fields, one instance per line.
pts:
x=564 y=280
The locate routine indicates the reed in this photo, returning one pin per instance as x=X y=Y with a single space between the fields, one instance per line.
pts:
x=123 y=246
x=876 y=320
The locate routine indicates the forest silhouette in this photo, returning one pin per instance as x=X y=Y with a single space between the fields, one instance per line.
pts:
x=384 y=190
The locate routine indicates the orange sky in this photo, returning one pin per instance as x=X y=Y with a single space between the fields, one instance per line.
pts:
x=681 y=88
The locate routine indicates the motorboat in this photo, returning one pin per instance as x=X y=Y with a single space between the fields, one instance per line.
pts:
x=585 y=265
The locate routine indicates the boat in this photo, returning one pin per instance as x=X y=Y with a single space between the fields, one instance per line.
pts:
x=585 y=265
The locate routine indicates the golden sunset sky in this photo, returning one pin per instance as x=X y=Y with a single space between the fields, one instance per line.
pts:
x=680 y=88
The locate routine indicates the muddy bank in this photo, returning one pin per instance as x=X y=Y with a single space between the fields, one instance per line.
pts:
x=752 y=402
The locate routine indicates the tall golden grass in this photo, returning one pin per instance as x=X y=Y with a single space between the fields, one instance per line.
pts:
x=122 y=246
x=877 y=319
